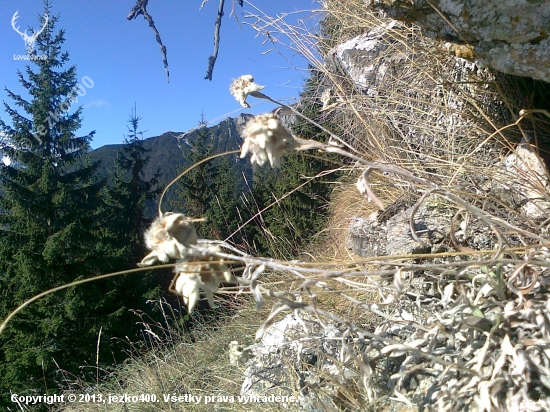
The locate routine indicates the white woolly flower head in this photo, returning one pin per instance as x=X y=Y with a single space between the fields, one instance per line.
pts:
x=266 y=139
x=364 y=188
x=192 y=276
x=362 y=185
x=238 y=354
x=244 y=86
x=169 y=237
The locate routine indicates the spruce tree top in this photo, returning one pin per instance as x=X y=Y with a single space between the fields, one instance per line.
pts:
x=45 y=131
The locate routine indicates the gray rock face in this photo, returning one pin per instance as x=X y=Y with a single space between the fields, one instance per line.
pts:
x=364 y=237
x=511 y=36
x=358 y=57
x=528 y=176
x=422 y=102
x=367 y=237
x=431 y=226
x=296 y=357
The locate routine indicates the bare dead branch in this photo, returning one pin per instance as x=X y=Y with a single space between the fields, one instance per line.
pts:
x=413 y=212
x=141 y=9
x=212 y=59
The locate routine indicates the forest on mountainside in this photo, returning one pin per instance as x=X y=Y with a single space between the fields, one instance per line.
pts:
x=68 y=213
x=381 y=244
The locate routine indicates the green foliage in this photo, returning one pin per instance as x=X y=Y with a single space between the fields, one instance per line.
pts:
x=195 y=187
x=129 y=192
x=226 y=210
x=55 y=228
x=127 y=198
x=294 y=219
x=214 y=189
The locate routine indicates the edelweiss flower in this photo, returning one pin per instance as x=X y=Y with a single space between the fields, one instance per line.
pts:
x=365 y=190
x=168 y=238
x=267 y=139
x=238 y=354
x=192 y=277
x=363 y=186
x=244 y=86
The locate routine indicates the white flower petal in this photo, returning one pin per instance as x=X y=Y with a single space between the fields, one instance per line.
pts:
x=210 y=296
x=149 y=259
x=188 y=287
x=242 y=87
x=193 y=277
x=169 y=237
x=266 y=139
x=244 y=149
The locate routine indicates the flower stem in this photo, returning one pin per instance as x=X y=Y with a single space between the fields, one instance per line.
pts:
x=174 y=180
x=313 y=122
x=75 y=283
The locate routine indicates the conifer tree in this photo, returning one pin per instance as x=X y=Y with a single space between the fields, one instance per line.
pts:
x=195 y=187
x=290 y=224
x=225 y=210
x=130 y=191
x=127 y=199
x=52 y=220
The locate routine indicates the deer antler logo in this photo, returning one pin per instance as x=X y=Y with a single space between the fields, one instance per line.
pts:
x=29 y=40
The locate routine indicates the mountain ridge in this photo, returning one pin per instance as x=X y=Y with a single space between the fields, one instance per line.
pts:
x=168 y=153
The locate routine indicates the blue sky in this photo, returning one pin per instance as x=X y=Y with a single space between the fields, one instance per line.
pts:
x=123 y=60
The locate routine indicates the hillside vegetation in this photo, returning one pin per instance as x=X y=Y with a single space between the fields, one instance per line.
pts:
x=433 y=130
x=437 y=163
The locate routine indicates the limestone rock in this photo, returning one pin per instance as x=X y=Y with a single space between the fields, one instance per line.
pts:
x=431 y=226
x=399 y=81
x=358 y=57
x=529 y=178
x=368 y=237
x=364 y=235
x=511 y=36
x=296 y=357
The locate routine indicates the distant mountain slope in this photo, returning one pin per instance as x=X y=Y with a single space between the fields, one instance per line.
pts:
x=166 y=154
x=169 y=150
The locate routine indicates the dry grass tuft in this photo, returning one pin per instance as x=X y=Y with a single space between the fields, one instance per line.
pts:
x=177 y=361
x=450 y=124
